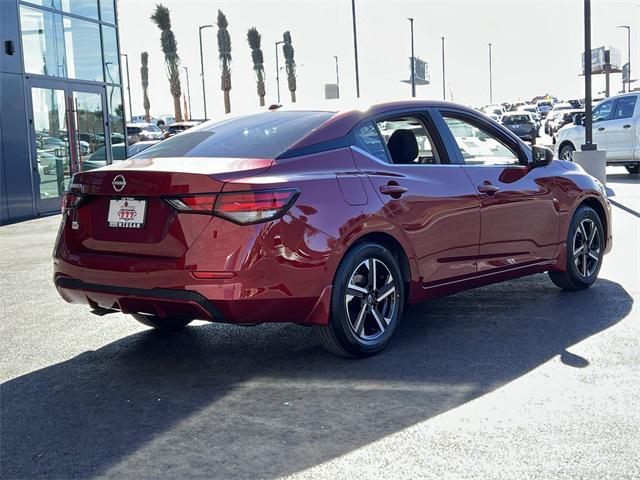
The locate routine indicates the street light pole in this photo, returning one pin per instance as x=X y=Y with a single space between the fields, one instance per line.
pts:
x=204 y=93
x=186 y=70
x=337 y=76
x=278 y=71
x=413 y=67
x=628 y=58
x=355 y=46
x=126 y=58
x=490 y=78
x=588 y=121
x=444 y=92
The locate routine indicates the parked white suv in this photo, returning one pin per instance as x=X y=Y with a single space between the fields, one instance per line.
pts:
x=616 y=129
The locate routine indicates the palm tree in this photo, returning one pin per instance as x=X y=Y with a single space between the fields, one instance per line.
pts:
x=144 y=75
x=290 y=63
x=254 y=38
x=224 y=56
x=162 y=19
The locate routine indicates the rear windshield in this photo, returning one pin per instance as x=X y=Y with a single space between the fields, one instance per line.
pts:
x=516 y=119
x=263 y=135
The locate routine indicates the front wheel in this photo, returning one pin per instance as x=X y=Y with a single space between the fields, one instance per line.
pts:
x=169 y=323
x=366 y=302
x=584 y=251
x=566 y=153
x=633 y=168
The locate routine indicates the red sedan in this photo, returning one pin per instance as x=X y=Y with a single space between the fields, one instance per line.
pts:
x=336 y=220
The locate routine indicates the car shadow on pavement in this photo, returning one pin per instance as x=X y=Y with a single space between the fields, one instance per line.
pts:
x=218 y=401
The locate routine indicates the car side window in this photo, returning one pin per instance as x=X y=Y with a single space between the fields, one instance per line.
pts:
x=479 y=147
x=603 y=111
x=625 y=107
x=409 y=142
x=367 y=138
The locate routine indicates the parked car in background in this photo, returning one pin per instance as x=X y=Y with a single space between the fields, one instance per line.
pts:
x=497 y=110
x=535 y=113
x=295 y=216
x=99 y=157
x=143 y=131
x=544 y=107
x=179 y=127
x=140 y=146
x=521 y=124
x=565 y=117
x=556 y=108
x=616 y=130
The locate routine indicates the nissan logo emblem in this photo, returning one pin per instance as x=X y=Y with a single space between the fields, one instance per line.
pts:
x=119 y=183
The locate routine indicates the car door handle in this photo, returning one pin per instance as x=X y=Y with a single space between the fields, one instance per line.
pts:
x=488 y=188
x=393 y=190
x=626 y=126
x=601 y=129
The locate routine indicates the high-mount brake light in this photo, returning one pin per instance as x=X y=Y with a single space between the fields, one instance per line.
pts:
x=239 y=207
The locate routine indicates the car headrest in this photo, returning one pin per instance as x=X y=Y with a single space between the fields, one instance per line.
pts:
x=403 y=146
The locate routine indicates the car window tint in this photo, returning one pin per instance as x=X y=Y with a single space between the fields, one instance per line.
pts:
x=262 y=135
x=367 y=138
x=479 y=147
x=625 y=107
x=603 y=111
x=427 y=153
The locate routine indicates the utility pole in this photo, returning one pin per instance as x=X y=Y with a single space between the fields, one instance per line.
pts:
x=355 y=46
x=490 y=78
x=413 y=67
x=278 y=70
x=337 y=76
x=444 y=92
x=126 y=58
x=204 y=92
x=188 y=92
x=588 y=121
x=628 y=59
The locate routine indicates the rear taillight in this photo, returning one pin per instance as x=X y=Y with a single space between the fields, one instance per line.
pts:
x=239 y=207
x=71 y=200
x=193 y=204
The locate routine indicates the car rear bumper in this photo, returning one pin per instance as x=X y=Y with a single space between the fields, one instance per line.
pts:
x=176 y=293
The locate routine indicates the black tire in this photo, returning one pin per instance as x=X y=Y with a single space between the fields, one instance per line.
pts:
x=158 y=323
x=582 y=269
x=566 y=152
x=362 y=312
x=633 y=168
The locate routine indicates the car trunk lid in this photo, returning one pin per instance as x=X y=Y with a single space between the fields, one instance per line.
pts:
x=160 y=230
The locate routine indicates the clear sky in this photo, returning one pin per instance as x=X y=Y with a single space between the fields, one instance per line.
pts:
x=536 y=47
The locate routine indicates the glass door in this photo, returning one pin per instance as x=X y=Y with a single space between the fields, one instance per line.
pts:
x=50 y=152
x=90 y=143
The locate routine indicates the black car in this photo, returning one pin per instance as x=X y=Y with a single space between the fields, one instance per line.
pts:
x=522 y=124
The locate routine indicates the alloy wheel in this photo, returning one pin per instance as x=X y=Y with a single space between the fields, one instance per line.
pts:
x=371 y=299
x=567 y=154
x=586 y=248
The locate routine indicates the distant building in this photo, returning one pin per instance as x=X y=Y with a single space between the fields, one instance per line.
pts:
x=61 y=99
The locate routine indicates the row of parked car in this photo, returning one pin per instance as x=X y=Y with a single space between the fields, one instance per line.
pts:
x=142 y=135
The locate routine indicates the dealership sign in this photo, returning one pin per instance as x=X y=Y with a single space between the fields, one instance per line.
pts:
x=603 y=59
x=421 y=72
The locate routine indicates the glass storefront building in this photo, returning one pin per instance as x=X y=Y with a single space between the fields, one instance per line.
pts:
x=61 y=99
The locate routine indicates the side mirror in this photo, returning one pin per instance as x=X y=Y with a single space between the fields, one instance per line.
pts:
x=578 y=119
x=540 y=156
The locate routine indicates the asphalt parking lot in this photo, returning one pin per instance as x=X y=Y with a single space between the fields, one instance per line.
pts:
x=515 y=380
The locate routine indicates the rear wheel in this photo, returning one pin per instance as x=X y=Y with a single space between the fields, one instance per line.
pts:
x=366 y=302
x=566 y=152
x=585 y=247
x=170 y=323
x=633 y=168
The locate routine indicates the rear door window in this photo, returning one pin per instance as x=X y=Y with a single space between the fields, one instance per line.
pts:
x=625 y=107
